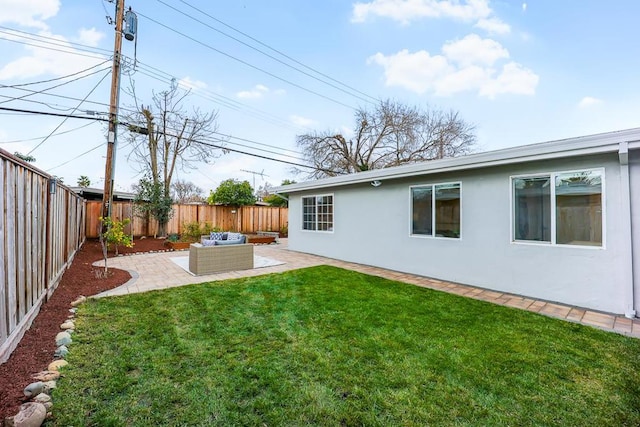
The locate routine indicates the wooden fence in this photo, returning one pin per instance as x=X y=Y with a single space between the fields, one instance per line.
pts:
x=246 y=219
x=39 y=235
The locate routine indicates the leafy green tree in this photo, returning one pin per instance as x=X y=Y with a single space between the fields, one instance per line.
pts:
x=84 y=181
x=232 y=192
x=151 y=199
x=277 y=199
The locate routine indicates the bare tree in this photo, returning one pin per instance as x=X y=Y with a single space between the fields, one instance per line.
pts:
x=164 y=136
x=391 y=134
x=186 y=192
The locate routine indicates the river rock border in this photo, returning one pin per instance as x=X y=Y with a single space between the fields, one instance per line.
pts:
x=34 y=412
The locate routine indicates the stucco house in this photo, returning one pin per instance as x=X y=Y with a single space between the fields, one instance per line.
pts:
x=558 y=220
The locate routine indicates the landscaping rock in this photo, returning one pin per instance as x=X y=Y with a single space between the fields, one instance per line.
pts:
x=68 y=325
x=46 y=375
x=57 y=364
x=42 y=398
x=32 y=414
x=34 y=389
x=79 y=301
x=63 y=338
x=73 y=310
x=61 y=351
x=49 y=385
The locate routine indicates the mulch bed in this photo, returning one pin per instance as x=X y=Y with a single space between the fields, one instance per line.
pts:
x=35 y=350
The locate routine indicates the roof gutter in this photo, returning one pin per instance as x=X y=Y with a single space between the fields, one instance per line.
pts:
x=596 y=144
x=626 y=258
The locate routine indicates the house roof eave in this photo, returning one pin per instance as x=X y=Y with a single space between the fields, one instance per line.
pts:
x=572 y=147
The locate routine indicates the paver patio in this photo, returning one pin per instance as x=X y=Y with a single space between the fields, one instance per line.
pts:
x=153 y=271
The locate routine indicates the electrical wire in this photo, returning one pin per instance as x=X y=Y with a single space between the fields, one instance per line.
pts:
x=277 y=51
x=200 y=42
x=35 y=92
x=53 y=79
x=52 y=40
x=40 y=137
x=77 y=157
x=221 y=147
x=47 y=113
x=77 y=53
x=265 y=53
x=66 y=118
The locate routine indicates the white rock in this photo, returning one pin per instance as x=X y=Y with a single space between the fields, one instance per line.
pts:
x=63 y=338
x=49 y=385
x=57 y=364
x=34 y=389
x=42 y=398
x=68 y=325
x=32 y=414
x=46 y=375
x=79 y=301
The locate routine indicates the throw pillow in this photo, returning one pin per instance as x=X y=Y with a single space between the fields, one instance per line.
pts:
x=234 y=236
x=216 y=235
x=208 y=242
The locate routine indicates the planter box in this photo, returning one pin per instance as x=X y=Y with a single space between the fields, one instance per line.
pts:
x=252 y=238
x=178 y=246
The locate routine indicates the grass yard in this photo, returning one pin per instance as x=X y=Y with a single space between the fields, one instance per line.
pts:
x=326 y=346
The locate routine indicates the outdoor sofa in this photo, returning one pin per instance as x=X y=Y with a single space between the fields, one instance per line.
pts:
x=214 y=254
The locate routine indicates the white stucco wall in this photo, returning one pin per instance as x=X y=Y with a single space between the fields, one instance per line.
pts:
x=634 y=174
x=372 y=226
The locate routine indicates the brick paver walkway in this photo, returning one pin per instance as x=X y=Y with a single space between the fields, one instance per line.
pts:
x=155 y=271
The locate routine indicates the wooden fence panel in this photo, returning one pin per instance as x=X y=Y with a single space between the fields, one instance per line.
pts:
x=39 y=235
x=4 y=325
x=247 y=219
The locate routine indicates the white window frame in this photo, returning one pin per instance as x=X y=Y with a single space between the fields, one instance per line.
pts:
x=433 y=211
x=552 y=178
x=315 y=197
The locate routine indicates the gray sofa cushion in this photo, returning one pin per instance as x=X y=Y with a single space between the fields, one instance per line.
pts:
x=228 y=242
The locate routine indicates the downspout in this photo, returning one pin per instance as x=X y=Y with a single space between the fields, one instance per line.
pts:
x=627 y=249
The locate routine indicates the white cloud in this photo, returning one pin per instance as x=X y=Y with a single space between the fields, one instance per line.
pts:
x=42 y=60
x=189 y=84
x=302 y=121
x=414 y=71
x=474 y=50
x=588 y=101
x=90 y=37
x=514 y=79
x=465 y=65
x=28 y=13
x=406 y=10
x=258 y=91
x=494 y=25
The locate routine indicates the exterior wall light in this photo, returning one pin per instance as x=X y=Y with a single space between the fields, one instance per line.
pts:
x=53 y=184
x=376 y=183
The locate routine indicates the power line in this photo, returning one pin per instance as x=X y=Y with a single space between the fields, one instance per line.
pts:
x=53 y=79
x=51 y=40
x=70 y=52
x=35 y=92
x=47 y=113
x=40 y=137
x=77 y=157
x=247 y=63
x=277 y=51
x=66 y=118
x=264 y=53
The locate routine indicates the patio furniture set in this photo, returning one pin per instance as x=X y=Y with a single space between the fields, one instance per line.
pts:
x=218 y=252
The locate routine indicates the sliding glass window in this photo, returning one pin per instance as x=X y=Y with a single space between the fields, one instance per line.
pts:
x=435 y=210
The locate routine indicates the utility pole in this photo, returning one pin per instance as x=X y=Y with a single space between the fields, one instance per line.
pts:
x=112 y=137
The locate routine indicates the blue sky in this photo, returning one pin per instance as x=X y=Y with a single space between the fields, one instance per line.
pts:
x=521 y=72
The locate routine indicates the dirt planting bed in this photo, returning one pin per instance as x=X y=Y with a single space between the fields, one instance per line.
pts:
x=36 y=348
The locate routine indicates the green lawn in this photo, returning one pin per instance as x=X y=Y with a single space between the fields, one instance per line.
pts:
x=326 y=346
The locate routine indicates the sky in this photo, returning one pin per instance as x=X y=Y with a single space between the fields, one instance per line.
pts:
x=520 y=72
